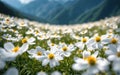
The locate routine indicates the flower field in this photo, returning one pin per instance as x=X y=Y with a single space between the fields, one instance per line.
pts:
x=31 y=48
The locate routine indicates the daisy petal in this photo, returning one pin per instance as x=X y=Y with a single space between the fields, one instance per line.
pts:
x=45 y=62
x=12 y=71
x=8 y=46
x=112 y=57
x=2 y=64
x=23 y=48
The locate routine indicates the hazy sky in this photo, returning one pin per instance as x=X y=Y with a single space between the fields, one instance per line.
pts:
x=20 y=3
x=25 y=1
x=28 y=1
x=61 y=0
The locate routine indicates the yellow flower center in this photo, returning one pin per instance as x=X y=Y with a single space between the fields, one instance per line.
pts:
x=109 y=36
x=51 y=56
x=14 y=30
x=36 y=31
x=41 y=36
x=105 y=48
x=7 y=21
x=77 y=36
x=118 y=54
x=22 y=23
x=24 y=40
x=39 y=53
x=15 y=49
x=91 y=60
x=84 y=40
x=97 y=38
x=52 y=44
x=64 y=48
x=114 y=41
x=80 y=51
x=110 y=32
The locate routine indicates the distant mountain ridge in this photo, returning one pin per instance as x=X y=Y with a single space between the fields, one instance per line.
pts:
x=44 y=8
x=67 y=15
x=57 y=13
x=70 y=12
x=107 y=9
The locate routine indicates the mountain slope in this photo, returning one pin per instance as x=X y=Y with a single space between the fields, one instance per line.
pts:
x=47 y=9
x=72 y=12
x=13 y=3
x=41 y=8
x=107 y=9
x=6 y=9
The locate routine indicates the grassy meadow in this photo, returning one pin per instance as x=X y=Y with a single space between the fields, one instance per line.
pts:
x=31 y=48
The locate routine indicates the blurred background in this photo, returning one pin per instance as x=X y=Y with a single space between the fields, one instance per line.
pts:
x=61 y=11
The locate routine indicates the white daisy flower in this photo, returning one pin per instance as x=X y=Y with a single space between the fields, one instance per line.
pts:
x=30 y=31
x=95 y=42
x=65 y=50
x=22 y=24
x=37 y=53
x=10 y=51
x=55 y=36
x=52 y=57
x=90 y=63
x=7 y=36
x=51 y=44
x=74 y=36
x=29 y=41
x=82 y=43
x=8 y=20
x=114 y=41
x=41 y=37
x=114 y=56
x=36 y=32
